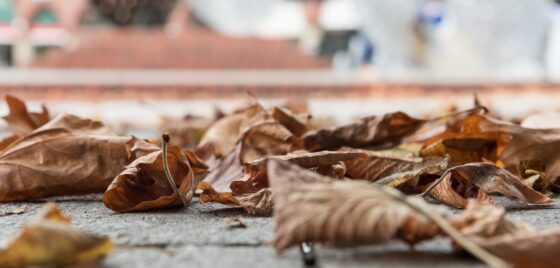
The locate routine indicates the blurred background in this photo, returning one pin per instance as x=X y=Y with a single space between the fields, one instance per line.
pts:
x=137 y=63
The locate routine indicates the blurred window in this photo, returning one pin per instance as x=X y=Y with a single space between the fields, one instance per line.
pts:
x=6 y=11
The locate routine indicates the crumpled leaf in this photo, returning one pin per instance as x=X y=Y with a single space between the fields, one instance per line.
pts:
x=482 y=220
x=312 y=208
x=267 y=138
x=252 y=134
x=475 y=180
x=515 y=241
x=534 y=145
x=143 y=185
x=325 y=162
x=392 y=170
x=385 y=130
x=466 y=139
x=49 y=239
x=69 y=155
x=256 y=204
x=20 y=120
x=526 y=249
x=222 y=170
x=210 y=195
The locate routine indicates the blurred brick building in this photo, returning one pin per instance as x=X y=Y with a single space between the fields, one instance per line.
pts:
x=179 y=40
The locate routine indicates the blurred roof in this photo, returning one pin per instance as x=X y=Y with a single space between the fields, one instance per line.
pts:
x=195 y=48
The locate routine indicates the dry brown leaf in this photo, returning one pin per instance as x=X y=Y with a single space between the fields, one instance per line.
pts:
x=257 y=204
x=526 y=249
x=209 y=195
x=393 y=170
x=236 y=139
x=325 y=162
x=222 y=170
x=476 y=180
x=7 y=141
x=49 y=239
x=295 y=123
x=466 y=139
x=537 y=146
x=69 y=155
x=223 y=134
x=385 y=130
x=515 y=241
x=481 y=220
x=313 y=208
x=143 y=185
x=20 y=120
x=267 y=138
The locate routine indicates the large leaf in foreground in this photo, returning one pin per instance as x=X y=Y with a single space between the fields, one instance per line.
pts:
x=313 y=208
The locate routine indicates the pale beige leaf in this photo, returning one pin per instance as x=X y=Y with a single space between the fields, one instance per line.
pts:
x=50 y=240
x=537 y=249
x=257 y=204
x=311 y=208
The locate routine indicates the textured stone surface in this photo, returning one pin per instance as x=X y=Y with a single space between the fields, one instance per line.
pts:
x=199 y=236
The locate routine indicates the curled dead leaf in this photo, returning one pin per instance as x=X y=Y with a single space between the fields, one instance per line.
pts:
x=143 y=185
x=537 y=249
x=208 y=195
x=69 y=155
x=20 y=120
x=475 y=180
x=267 y=138
x=49 y=239
x=385 y=130
x=255 y=204
x=325 y=162
x=313 y=208
x=393 y=170
x=467 y=138
x=515 y=241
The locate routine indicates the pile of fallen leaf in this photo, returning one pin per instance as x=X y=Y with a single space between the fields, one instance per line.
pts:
x=366 y=181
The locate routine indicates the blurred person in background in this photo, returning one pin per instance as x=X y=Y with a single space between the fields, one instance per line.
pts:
x=44 y=22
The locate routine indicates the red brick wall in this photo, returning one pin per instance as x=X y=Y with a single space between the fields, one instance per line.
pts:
x=192 y=49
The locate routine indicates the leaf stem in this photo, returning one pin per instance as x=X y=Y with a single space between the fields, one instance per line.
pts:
x=164 y=141
x=466 y=243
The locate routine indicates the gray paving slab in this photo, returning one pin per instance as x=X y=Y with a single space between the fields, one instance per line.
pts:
x=199 y=236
